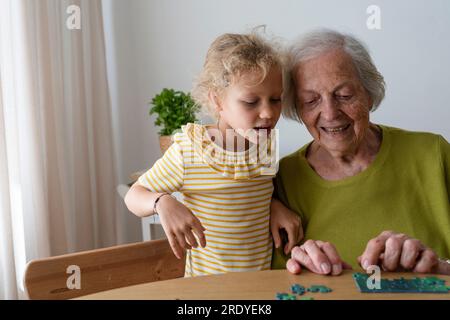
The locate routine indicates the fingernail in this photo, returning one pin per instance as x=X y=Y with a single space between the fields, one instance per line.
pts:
x=337 y=268
x=365 y=264
x=325 y=267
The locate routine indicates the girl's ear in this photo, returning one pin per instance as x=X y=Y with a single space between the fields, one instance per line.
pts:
x=215 y=100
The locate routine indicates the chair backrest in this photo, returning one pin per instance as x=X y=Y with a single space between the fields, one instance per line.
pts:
x=102 y=269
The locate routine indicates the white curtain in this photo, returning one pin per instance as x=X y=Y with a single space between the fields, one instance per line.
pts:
x=57 y=173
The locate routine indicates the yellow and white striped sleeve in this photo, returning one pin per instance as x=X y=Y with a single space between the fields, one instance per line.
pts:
x=167 y=173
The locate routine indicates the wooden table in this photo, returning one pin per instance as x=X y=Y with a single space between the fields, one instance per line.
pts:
x=261 y=285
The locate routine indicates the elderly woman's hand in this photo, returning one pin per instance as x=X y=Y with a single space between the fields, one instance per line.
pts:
x=317 y=256
x=398 y=252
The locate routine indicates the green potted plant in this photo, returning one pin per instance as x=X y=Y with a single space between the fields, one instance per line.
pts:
x=174 y=109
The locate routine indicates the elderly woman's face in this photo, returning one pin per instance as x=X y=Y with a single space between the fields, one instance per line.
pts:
x=333 y=103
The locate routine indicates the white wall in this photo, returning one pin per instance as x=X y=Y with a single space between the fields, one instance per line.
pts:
x=152 y=44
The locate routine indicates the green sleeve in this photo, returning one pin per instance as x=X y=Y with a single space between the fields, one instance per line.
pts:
x=444 y=147
x=280 y=186
x=279 y=192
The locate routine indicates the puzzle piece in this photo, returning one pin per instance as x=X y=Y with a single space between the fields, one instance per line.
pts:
x=317 y=288
x=306 y=298
x=402 y=285
x=286 y=296
x=298 y=289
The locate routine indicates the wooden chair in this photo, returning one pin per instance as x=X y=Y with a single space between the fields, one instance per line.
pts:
x=102 y=269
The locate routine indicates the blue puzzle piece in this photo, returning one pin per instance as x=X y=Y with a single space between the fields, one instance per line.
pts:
x=286 y=296
x=298 y=289
x=321 y=289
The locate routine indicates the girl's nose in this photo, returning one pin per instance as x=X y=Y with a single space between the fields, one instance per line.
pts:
x=267 y=111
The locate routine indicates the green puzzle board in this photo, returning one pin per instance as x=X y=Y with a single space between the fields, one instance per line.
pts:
x=402 y=285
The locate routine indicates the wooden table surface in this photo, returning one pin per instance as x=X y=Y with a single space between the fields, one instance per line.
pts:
x=261 y=285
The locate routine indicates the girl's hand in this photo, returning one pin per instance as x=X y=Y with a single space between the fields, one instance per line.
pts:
x=282 y=217
x=180 y=226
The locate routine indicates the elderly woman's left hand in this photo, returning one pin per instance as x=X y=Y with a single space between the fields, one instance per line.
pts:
x=399 y=252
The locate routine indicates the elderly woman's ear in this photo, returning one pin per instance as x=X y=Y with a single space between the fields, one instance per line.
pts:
x=370 y=103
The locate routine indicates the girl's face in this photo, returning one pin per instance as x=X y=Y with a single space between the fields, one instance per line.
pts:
x=244 y=105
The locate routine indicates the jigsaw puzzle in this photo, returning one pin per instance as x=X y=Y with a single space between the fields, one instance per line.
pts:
x=402 y=285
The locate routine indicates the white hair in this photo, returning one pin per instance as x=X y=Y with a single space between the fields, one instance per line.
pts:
x=321 y=41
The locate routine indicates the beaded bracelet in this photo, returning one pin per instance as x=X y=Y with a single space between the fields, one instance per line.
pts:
x=157 y=200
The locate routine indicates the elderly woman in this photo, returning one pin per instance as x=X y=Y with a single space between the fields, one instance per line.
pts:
x=358 y=179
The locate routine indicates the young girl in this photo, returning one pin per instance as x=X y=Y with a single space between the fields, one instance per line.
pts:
x=223 y=171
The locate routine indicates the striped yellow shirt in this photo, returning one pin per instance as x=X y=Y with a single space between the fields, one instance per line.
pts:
x=229 y=192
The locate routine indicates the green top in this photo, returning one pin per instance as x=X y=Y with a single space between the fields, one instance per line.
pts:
x=405 y=189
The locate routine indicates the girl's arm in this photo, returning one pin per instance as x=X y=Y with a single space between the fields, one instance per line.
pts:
x=141 y=201
x=182 y=228
x=281 y=217
x=178 y=222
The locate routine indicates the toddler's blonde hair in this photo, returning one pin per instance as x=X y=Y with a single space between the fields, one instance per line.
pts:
x=229 y=57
